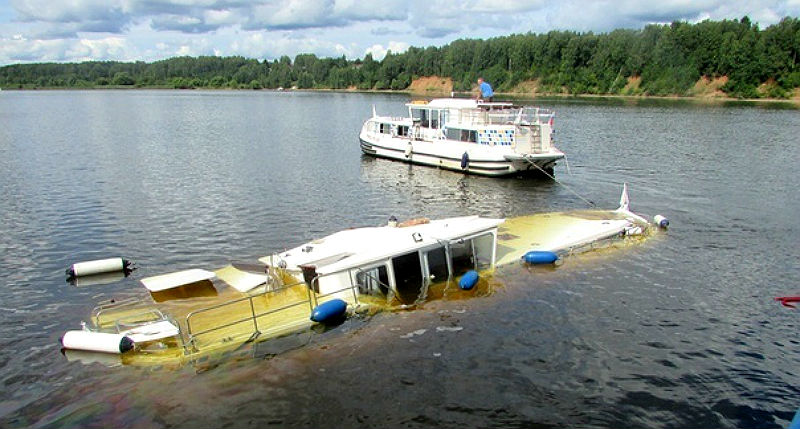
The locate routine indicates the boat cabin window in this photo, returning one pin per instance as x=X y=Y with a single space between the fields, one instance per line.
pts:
x=407 y=277
x=373 y=281
x=420 y=116
x=428 y=118
x=402 y=130
x=436 y=260
x=462 y=135
x=385 y=129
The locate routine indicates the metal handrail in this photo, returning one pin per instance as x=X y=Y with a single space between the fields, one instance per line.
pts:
x=317 y=296
x=253 y=315
x=100 y=309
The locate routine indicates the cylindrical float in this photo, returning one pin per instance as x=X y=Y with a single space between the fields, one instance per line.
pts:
x=795 y=424
x=98 y=266
x=468 y=280
x=661 y=221
x=330 y=311
x=540 y=257
x=96 y=341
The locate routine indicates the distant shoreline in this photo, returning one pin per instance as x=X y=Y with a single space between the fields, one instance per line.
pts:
x=795 y=101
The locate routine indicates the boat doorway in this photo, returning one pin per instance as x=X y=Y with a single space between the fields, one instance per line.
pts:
x=476 y=253
x=408 y=277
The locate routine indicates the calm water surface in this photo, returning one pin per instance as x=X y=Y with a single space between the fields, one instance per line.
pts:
x=680 y=331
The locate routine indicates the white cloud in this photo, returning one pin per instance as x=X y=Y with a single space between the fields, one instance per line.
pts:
x=24 y=50
x=389 y=10
x=264 y=46
x=66 y=11
x=378 y=51
x=301 y=14
x=89 y=49
x=291 y=14
x=221 y=17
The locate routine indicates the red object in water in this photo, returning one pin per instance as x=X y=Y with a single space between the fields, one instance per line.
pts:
x=788 y=300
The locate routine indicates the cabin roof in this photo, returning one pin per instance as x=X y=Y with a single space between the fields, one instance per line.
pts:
x=458 y=103
x=360 y=246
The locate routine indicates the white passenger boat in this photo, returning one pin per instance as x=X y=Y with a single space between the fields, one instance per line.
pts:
x=491 y=139
x=192 y=314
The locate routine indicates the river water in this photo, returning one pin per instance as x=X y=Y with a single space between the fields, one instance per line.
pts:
x=679 y=331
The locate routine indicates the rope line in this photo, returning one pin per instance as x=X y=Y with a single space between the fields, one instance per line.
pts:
x=587 y=201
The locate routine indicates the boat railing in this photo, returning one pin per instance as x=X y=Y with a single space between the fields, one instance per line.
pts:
x=250 y=317
x=115 y=306
x=505 y=116
x=128 y=314
x=522 y=115
x=315 y=284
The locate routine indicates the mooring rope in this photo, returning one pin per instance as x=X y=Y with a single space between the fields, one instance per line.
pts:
x=586 y=200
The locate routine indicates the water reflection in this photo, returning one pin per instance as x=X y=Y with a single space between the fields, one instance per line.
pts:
x=435 y=192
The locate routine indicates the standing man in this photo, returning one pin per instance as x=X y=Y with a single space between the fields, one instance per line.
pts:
x=485 y=92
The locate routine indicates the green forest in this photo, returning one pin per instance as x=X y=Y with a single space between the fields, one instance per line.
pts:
x=661 y=59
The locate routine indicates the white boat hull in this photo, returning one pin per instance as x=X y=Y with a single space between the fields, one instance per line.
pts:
x=486 y=164
x=490 y=139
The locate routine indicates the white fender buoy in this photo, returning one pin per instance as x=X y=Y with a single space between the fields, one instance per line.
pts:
x=96 y=341
x=661 y=221
x=408 y=150
x=98 y=266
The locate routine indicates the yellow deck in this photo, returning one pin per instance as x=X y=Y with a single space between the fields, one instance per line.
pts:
x=217 y=323
x=557 y=232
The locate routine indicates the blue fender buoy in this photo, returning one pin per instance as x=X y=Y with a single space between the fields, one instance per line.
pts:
x=329 y=311
x=464 y=160
x=795 y=424
x=540 y=257
x=469 y=280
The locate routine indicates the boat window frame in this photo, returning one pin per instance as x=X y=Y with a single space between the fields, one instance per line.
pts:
x=422 y=281
x=465 y=135
x=475 y=258
x=428 y=117
x=445 y=247
x=354 y=272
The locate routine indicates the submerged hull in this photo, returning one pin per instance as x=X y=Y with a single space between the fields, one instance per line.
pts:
x=262 y=305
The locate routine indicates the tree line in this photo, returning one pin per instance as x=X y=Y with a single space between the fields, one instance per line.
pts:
x=662 y=59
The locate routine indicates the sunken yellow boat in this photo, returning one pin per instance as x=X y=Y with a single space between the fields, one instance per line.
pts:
x=324 y=280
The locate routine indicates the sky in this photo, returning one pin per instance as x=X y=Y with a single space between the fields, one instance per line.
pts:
x=150 y=30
